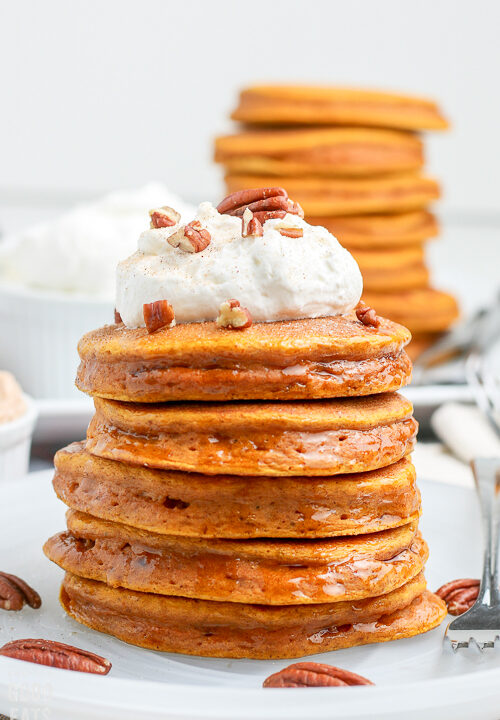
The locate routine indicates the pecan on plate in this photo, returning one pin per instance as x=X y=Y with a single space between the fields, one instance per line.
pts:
x=233 y=316
x=265 y=204
x=158 y=315
x=459 y=595
x=56 y=654
x=164 y=217
x=15 y=593
x=312 y=674
x=250 y=226
x=192 y=238
x=367 y=315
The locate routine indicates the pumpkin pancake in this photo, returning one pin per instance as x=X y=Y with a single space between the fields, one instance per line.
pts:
x=420 y=343
x=297 y=359
x=221 y=629
x=392 y=270
x=423 y=311
x=348 y=196
x=319 y=151
x=296 y=438
x=323 y=105
x=410 y=278
x=228 y=506
x=378 y=232
x=271 y=572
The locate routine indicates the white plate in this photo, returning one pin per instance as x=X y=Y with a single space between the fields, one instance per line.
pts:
x=66 y=420
x=414 y=678
x=63 y=421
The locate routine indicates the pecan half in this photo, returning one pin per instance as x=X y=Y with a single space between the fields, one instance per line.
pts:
x=312 y=674
x=233 y=316
x=263 y=217
x=118 y=317
x=191 y=238
x=459 y=595
x=164 y=217
x=367 y=315
x=242 y=198
x=291 y=232
x=158 y=315
x=251 y=227
x=15 y=593
x=266 y=203
x=56 y=654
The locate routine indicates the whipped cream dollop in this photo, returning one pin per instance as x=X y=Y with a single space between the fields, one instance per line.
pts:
x=274 y=277
x=78 y=252
x=12 y=405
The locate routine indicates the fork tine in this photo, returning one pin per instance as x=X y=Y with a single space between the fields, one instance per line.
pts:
x=456 y=644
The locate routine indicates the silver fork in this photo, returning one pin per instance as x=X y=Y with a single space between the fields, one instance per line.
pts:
x=481 y=623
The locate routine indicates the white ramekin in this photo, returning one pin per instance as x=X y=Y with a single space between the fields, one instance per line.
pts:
x=39 y=332
x=15 y=443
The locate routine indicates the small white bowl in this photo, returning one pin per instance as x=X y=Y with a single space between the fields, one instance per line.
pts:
x=39 y=334
x=15 y=443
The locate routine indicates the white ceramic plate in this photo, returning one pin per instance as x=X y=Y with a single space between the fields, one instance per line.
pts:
x=63 y=421
x=66 y=420
x=414 y=678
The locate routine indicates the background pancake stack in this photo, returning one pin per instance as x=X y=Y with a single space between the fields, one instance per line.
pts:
x=354 y=161
x=250 y=527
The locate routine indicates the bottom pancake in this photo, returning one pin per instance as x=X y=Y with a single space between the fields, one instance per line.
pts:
x=213 y=629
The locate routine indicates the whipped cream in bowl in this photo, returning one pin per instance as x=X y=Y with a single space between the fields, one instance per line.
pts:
x=57 y=281
x=17 y=419
x=274 y=276
x=76 y=254
x=12 y=402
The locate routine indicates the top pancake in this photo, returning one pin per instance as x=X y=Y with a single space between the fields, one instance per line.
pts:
x=320 y=151
x=316 y=105
x=298 y=359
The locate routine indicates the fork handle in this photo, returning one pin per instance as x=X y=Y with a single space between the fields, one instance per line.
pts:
x=487 y=477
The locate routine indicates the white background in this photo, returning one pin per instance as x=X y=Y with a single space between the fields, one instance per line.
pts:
x=99 y=94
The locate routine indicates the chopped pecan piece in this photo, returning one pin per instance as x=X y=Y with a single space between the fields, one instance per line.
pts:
x=367 y=315
x=265 y=203
x=56 y=654
x=251 y=227
x=158 y=315
x=263 y=217
x=233 y=316
x=118 y=317
x=15 y=593
x=459 y=595
x=191 y=238
x=291 y=232
x=312 y=674
x=164 y=217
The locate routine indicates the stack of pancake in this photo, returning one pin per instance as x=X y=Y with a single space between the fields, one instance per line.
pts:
x=245 y=493
x=354 y=161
